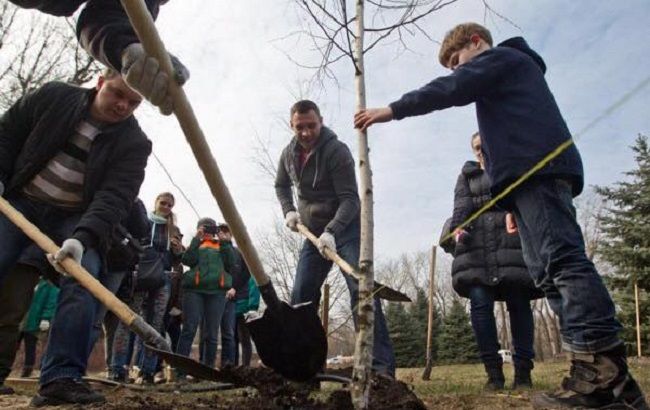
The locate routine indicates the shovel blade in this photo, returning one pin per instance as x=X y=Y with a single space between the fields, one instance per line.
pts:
x=290 y=340
x=187 y=365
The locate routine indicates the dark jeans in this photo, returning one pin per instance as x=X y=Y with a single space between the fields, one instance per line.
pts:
x=197 y=307
x=312 y=271
x=228 y=326
x=243 y=337
x=30 y=341
x=112 y=282
x=15 y=298
x=485 y=327
x=69 y=343
x=554 y=252
x=151 y=306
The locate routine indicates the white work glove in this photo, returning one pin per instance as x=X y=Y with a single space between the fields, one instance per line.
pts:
x=326 y=240
x=292 y=219
x=44 y=326
x=175 y=311
x=70 y=248
x=143 y=73
x=2 y=188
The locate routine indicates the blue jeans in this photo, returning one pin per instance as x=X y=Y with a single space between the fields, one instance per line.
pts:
x=312 y=271
x=554 y=252
x=197 y=307
x=228 y=326
x=112 y=282
x=485 y=327
x=151 y=305
x=69 y=344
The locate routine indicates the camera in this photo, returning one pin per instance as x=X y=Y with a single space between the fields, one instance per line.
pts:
x=210 y=229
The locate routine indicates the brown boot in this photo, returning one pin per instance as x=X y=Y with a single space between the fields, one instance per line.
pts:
x=598 y=381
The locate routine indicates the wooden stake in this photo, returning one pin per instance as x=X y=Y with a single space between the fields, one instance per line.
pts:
x=638 y=319
x=432 y=280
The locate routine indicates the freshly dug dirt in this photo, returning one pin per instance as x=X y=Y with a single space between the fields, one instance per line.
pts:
x=271 y=392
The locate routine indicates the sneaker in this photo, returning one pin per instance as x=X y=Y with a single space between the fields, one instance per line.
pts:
x=598 y=381
x=4 y=390
x=66 y=391
x=144 y=379
x=159 y=378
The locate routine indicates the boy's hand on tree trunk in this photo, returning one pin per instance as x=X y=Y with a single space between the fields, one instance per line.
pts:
x=365 y=118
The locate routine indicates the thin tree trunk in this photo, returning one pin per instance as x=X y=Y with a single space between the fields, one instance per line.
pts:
x=505 y=331
x=432 y=291
x=364 y=343
x=325 y=312
x=638 y=319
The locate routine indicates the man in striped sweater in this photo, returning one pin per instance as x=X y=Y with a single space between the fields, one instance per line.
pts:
x=72 y=161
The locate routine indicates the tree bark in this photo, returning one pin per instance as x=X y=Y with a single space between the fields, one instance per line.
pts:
x=325 y=312
x=432 y=291
x=364 y=343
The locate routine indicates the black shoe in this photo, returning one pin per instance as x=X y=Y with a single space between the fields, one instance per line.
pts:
x=66 y=391
x=599 y=381
x=496 y=379
x=27 y=372
x=522 y=377
x=4 y=390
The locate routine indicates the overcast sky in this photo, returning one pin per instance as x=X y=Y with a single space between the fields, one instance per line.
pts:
x=243 y=84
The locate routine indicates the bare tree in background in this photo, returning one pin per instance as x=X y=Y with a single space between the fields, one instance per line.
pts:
x=35 y=49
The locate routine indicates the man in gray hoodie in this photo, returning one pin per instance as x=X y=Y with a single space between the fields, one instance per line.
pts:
x=322 y=170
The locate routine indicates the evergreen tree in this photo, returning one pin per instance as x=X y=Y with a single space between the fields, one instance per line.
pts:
x=626 y=225
x=408 y=331
x=456 y=342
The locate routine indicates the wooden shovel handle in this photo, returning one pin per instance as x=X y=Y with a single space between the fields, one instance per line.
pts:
x=146 y=30
x=332 y=255
x=75 y=270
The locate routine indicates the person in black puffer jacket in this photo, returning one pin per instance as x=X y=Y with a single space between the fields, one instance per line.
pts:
x=488 y=266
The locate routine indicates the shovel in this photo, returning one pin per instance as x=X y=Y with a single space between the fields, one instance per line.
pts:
x=380 y=290
x=289 y=339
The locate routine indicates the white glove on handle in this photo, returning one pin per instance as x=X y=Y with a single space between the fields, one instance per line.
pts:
x=326 y=240
x=292 y=219
x=70 y=248
x=44 y=326
x=143 y=73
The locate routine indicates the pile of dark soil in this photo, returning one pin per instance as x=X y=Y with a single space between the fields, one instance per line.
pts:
x=272 y=392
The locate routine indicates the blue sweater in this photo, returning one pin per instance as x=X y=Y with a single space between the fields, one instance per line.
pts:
x=518 y=118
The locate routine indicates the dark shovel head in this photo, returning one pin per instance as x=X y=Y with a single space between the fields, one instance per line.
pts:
x=187 y=365
x=290 y=340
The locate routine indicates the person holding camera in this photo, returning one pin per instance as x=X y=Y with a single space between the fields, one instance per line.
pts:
x=204 y=288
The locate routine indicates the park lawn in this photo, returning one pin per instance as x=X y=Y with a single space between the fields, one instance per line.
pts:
x=461 y=386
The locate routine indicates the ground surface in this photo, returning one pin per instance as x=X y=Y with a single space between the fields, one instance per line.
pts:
x=450 y=387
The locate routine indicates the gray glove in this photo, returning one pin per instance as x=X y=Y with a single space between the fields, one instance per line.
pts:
x=2 y=188
x=142 y=73
x=292 y=219
x=70 y=248
x=326 y=240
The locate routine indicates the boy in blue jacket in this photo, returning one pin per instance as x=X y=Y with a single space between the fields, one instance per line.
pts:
x=521 y=124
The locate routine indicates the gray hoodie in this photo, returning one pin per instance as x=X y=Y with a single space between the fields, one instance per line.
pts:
x=328 y=199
